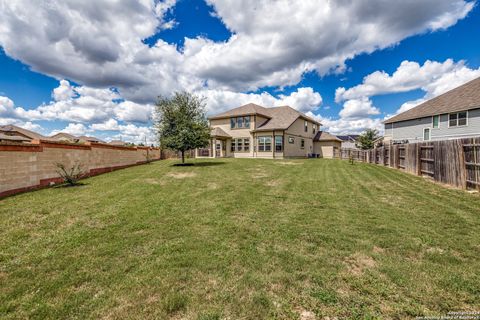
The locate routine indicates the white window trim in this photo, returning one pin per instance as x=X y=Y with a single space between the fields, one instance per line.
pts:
x=439 y=121
x=429 y=134
x=457 y=126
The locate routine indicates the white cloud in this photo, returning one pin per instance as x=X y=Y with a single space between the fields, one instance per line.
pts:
x=76 y=129
x=433 y=77
x=358 y=108
x=303 y=99
x=100 y=44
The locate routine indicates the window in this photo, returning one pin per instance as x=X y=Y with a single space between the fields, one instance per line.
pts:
x=246 y=122
x=240 y=122
x=426 y=134
x=246 y=144
x=232 y=145
x=291 y=140
x=239 y=144
x=435 y=121
x=314 y=128
x=302 y=143
x=457 y=119
x=306 y=126
x=264 y=144
x=278 y=143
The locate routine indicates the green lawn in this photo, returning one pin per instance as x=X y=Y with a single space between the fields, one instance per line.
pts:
x=241 y=239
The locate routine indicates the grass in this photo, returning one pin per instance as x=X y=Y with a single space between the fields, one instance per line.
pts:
x=241 y=239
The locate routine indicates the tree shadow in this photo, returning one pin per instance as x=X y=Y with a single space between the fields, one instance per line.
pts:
x=66 y=185
x=199 y=164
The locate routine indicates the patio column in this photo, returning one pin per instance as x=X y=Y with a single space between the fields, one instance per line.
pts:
x=214 y=147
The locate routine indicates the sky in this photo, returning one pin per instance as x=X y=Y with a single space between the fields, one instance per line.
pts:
x=97 y=67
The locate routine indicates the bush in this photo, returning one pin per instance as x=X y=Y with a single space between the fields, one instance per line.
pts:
x=70 y=175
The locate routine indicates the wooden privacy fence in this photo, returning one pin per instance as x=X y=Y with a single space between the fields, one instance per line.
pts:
x=453 y=162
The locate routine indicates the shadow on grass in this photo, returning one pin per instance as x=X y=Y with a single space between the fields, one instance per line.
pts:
x=199 y=164
x=66 y=185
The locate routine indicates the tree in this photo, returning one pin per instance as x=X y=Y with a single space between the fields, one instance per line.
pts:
x=181 y=122
x=366 y=139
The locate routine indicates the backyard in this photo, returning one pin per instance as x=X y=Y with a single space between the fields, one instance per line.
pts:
x=241 y=239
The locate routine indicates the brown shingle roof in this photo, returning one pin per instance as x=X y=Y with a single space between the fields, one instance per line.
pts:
x=462 y=98
x=248 y=109
x=325 y=136
x=13 y=138
x=27 y=133
x=219 y=132
x=279 y=118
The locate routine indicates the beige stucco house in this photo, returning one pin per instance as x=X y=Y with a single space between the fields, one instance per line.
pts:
x=253 y=131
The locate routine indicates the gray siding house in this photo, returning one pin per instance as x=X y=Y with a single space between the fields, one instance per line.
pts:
x=452 y=115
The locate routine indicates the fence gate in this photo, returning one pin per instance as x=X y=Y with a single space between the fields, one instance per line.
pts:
x=472 y=164
x=401 y=157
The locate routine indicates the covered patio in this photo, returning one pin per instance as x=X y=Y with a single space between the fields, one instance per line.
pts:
x=217 y=147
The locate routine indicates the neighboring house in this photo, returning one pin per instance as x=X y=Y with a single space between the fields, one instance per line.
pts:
x=452 y=115
x=117 y=143
x=21 y=134
x=89 y=139
x=326 y=144
x=349 y=141
x=66 y=137
x=9 y=138
x=253 y=131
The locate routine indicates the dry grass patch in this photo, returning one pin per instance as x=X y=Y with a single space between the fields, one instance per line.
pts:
x=154 y=181
x=358 y=263
x=182 y=175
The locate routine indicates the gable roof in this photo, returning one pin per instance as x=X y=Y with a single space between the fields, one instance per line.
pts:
x=91 y=139
x=325 y=136
x=24 y=132
x=279 y=118
x=464 y=97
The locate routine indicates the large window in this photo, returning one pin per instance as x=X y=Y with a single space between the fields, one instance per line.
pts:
x=278 y=143
x=306 y=126
x=457 y=119
x=240 y=122
x=435 y=122
x=264 y=144
x=240 y=144
x=302 y=143
x=314 y=128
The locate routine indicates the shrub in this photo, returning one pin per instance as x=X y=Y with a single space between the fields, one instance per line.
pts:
x=70 y=175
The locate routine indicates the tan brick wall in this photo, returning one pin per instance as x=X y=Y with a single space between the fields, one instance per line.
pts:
x=30 y=166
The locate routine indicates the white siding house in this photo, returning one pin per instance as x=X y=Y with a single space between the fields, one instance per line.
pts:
x=452 y=115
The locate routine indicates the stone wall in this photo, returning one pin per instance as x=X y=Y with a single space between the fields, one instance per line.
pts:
x=26 y=167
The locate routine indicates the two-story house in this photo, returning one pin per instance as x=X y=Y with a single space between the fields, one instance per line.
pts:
x=452 y=115
x=253 y=131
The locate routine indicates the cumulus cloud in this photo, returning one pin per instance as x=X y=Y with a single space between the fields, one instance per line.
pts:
x=100 y=43
x=358 y=108
x=76 y=129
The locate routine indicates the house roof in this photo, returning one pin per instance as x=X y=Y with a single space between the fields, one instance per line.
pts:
x=248 y=109
x=13 y=138
x=87 y=138
x=27 y=133
x=464 y=97
x=63 y=135
x=348 y=137
x=219 y=132
x=279 y=118
x=325 y=136
x=117 y=143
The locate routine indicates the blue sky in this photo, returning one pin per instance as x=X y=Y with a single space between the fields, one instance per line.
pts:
x=231 y=57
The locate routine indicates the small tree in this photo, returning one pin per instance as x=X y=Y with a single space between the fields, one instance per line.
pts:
x=181 y=122
x=366 y=139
